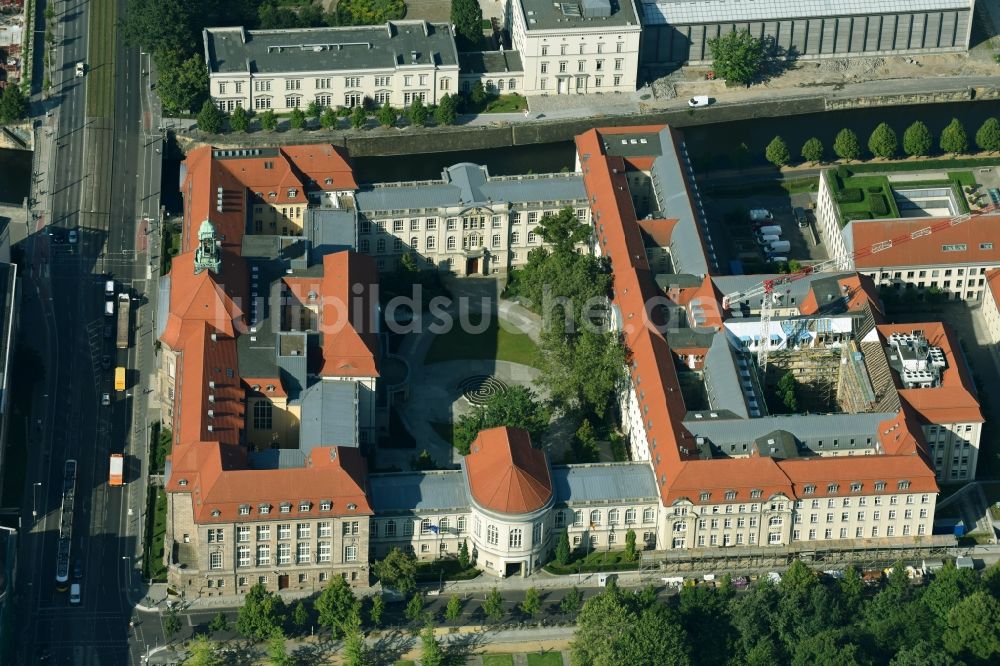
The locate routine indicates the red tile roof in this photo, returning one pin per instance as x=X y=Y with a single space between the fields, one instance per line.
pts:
x=349 y=315
x=925 y=250
x=679 y=473
x=954 y=401
x=506 y=473
x=203 y=297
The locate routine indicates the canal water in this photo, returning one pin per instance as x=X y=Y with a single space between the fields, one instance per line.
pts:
x=15 y=176
x=715 y=146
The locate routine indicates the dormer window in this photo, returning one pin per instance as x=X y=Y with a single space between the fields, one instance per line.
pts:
x=704 y=496
x=730 y=495
x=292 y=192
x=272 y=195
x=809 y=489
x=325 y=505
x=855 y=487
x=244 y=509
x=216 y=513
x=182 y=482
x=880 y=485
x=903 y=485
x=305 y=506
x=264 y=509
x=352 y=506
x=270 y=388
x=832 y=488
x=328 y=181
x=286 y=507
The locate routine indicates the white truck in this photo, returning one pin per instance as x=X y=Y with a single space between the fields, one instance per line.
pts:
x=780 y=246
x=760 y=215
x=767 y=240
x=769 y=230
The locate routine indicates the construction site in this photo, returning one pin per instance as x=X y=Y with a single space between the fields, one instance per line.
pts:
x=12 y=38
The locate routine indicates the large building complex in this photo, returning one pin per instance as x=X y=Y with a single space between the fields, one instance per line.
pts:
x=274 y=374
x=287 y=69
x=678 y=31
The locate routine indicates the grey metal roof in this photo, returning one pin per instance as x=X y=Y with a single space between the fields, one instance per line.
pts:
x=632 y=144
x=329 y=415
x=604 y=482
x=329 y=230
x=490 y=62
x=722 y=382
x=777 y=444
x=418 y=491
x=467 y=184
x=670 y=184
x=347 y=49
x=549 y=15
x=277 y=459
x=809 y=429
x=678 y=12
x=162 y=304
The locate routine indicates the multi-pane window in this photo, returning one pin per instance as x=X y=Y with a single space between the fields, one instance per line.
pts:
x=492 y=535
x=262 y=415
x=303 y=530
x=284 y=531
x=352 y=81
x=390 y=528
x=284 y=553
x=215 y=535
x=263 y=555
x=323 y=551
x=577 y=518
x=613 y=517
x=536 y=534
x=293 y=84
x=243 y=533
x=302 y=554
x=243 y=556
x=595 y=517
x=322 y=84
x=350 y=553
x=429 y=243
x=215 y=560
x=263 y=533
x=515 y=538
x=324 y=529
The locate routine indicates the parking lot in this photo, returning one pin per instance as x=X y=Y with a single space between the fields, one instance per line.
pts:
x=729 y=218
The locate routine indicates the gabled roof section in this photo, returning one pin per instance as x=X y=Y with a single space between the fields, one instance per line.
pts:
x=741 y=476
x=349 y=316
x=506 y=473
x=200 y=298
x=969 y=243
x=954 y=401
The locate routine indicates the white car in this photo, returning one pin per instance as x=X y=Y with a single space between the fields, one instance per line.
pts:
x=699 y=100
x=105 y=399
x=74 y=594
x=109 y=287
x=74 y=236
x=80 y=69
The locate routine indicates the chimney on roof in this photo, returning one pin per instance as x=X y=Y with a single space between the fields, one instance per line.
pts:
x=413 y=57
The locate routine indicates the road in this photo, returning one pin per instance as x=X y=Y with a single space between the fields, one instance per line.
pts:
x=99 y=175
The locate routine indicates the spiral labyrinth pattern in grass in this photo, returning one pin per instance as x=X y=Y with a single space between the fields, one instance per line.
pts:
x=478 y=389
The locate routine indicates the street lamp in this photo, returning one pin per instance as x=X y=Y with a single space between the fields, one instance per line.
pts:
x=34 y=501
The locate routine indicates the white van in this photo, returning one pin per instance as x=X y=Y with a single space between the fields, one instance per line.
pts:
x=760 y=215
x=109 y=287
x=109 y=307
x=699 y=100
x=74 y=594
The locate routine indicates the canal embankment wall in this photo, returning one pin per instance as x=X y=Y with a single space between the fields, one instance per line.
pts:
x=383 y=142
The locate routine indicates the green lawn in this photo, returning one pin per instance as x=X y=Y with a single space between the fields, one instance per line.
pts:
x=863 y=197
x=452 y=570
x=156 y=529
x=492 y=343
x=506 y=104
x=498 y=660
x=599 y=560
x=545 y=659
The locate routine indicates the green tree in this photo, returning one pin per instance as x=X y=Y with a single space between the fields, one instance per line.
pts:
x=397 y=571
x=377 y=610
x=431 y=653
x=584 y=446
x=630 y=551
x=467 y=17
x=924 y=653
x=268 y=120
x=613 y=628
x=564 y=230
x=572 y=601
x=328 y=119
x=387 y=115
x=949 y=586
x=988 y=135
x=812 y=150
x=846 y=146
x=314 y=110
x=777 y=152
x=355 y=651
x=277 y=650
x=171 y=624
x=852 y=590
x=454 y=609
x=882 y=142
x=582 y=371
x=917 y=140
x=336 y=606
x=210 y=118
x=417 y=112
x=827 y=648
x=953 y=137
x=218 y=623
x=414 y=607
x=159 y=26
x=447 y=110
x=562 y=549
x=463 y=555
x=532 y=602
x=516 y=407
x=181 y=82
x=478 y=94
x=493 y=604
x=202 y=652
x=297 y=119
x=300 y=616
x=737 y=56
x=358 y=117
x=261 y=613
x=972 y=627
x=369 y=12
x=239 y=120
